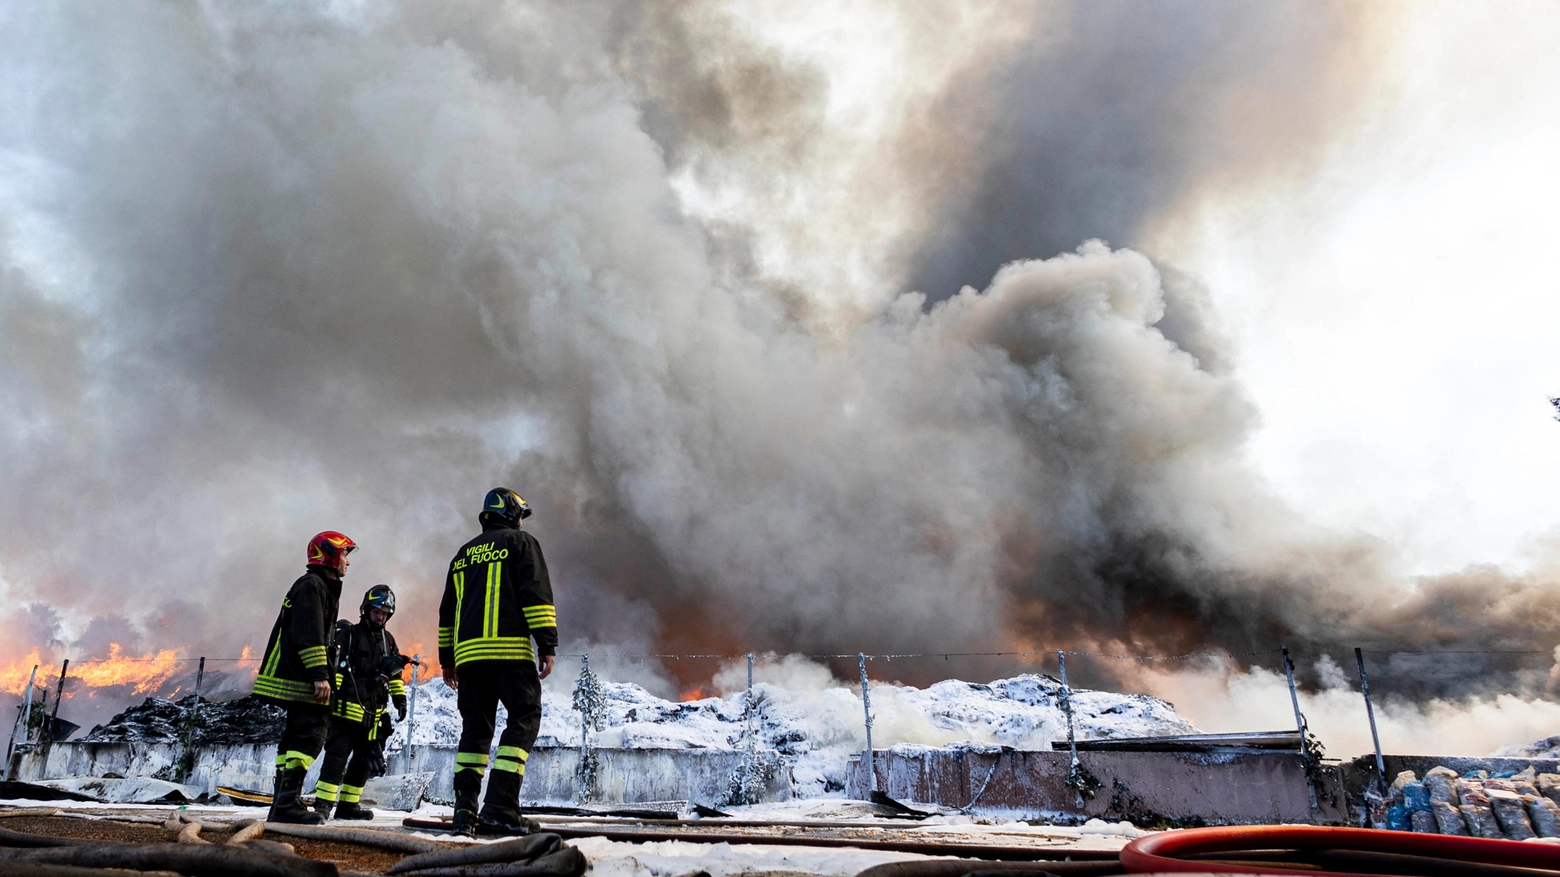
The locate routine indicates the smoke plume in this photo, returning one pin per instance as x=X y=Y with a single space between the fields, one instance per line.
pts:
x=268 y=269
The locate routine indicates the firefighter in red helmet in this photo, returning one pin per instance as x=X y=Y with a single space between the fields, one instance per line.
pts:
x=295 y=674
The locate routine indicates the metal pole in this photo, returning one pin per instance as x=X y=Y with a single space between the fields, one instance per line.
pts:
x=23 y=712
x=750 y=700
x=28 y=707
x=53 y=722
x=411 y=711
x=1294 y=700
x=866 y=706
x=190 y=722
x=1381 y=765
x=1067 y=707
x=59 y=694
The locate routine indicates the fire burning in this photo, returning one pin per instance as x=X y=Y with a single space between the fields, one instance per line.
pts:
x=150 y=673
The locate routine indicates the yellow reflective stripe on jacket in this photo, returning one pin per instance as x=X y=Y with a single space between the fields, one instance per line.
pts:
x=498 y=648
x=284 y=689
x=349 y=710
x=397 y=687
x=272 y=659
x=313 y=656
x=460 y=602
x=541 y=616
x=495 y=581
x=446 y=637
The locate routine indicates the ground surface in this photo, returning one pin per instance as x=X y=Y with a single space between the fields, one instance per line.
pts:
x=615 y=857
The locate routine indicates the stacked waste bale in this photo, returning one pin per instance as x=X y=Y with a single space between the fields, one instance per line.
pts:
x=1517 y=806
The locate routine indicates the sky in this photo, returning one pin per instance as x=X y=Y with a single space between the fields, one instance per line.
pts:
x=1136 y=328
x=1393 y=312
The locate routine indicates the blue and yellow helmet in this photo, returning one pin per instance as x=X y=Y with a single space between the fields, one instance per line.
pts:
x=504 y=505
x=378 y=597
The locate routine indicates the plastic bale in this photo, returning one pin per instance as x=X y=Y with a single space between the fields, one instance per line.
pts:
x=1545 y=815
x=1397 y=819
x=1472 y=792
x=1512 y=814
x=1481 y=821
x=1416 y=798
x=1395 y=791
x=1549 y=786
x=1424 y=822
x=1442 y=785
x=1448 y=818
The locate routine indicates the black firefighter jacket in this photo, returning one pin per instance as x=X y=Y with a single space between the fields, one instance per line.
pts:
x=297 y=654
x=497 y=597
x=361 y=695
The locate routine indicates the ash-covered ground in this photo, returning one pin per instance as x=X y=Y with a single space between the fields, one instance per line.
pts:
x=818 y=729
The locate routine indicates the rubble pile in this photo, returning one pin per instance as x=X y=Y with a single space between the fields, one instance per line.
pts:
x=157 y=720
x=1515 y=806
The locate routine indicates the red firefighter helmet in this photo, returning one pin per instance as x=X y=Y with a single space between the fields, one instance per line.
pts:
x=327 y=548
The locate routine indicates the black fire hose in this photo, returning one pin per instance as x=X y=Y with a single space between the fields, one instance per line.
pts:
x=972 y=867
x=196 y=861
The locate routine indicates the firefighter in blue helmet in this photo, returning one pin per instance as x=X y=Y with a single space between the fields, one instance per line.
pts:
x=295 y=673
x=497 y=599
x=368 y=681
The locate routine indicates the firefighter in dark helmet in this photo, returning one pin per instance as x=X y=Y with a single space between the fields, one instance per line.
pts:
x=295 y=673
x=368 y=680
x=497 y=599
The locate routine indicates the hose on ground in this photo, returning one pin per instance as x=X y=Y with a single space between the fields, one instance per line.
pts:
x=1353 y=851
x=963 y=867
x=518 y=849
x=195 y=861
x=399 y=843
x=565 y=862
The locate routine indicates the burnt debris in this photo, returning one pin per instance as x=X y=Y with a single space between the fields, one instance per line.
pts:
x=158 y=720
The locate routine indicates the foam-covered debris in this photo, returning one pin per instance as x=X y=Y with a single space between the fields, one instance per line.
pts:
x=819 y=729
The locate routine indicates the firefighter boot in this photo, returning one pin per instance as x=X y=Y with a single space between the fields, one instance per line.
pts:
x=322 y=806
x=468 y=785
x=501 y=810
x=353 y=810
x=285 y=806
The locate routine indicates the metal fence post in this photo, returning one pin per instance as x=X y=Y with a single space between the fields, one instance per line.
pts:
x=1370 y=711
x=23 y=720
x=1294 y=700
x=866 y=706
x=191 y=721
x=1072 y=740
x=59 y=694
x=411 y=712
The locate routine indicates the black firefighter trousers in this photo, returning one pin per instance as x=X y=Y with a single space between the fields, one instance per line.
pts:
x=483 y=685
x=303 y=736
x=349 y=747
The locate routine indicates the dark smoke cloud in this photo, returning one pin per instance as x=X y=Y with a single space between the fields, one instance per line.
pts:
x=269 y=270
x=1116 y=115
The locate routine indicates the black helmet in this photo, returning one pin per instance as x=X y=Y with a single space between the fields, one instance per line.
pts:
x=505 y=506
x=378 y=597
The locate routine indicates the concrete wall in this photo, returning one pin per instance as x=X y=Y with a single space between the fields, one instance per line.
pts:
x=1218 y=787
x=623 y=776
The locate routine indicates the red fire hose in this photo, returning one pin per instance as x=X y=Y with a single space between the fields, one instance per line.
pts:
x=1165 y=851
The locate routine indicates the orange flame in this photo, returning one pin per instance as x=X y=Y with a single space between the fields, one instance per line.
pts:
x=146 y=674
x=694 y=693
x=13 y=679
